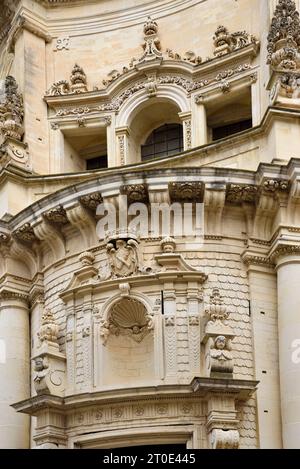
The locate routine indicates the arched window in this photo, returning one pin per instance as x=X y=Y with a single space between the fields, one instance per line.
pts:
x=165 y=141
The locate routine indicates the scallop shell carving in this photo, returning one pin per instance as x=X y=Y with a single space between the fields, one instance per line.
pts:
x=129 y=313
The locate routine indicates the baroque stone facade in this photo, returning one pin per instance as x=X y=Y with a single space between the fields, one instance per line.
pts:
x=113 y=112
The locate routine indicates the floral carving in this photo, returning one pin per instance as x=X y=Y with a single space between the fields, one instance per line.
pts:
x=242 y=194
x=226 y=42
x=284 y=36
x=25 y=234
x=59 y=88
x=186 y=191
x=57 y=215
x=11 y=111
x=136 y=193
x=62 y=43
x=78 y=84
x=274 y=185
x=91 y=201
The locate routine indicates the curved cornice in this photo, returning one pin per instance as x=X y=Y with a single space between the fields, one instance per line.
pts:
x=115 y=178
x=99 y=22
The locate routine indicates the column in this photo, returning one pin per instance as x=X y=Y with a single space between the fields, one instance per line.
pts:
x=199 y=123
x=186 y=120
x=14 y=369
x=122 y=136
x=288 y=271
x=263 y=313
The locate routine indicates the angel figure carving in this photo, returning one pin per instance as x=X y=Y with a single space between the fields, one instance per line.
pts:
x=123 y=257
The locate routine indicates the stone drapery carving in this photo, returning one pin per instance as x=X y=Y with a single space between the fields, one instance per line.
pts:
x=217 y=337
x=226 y=42
x=123 y=257
x=11 y=110
x=127 y=317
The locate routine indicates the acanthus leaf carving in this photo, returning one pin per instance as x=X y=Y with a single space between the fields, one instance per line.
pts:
x=11 y=111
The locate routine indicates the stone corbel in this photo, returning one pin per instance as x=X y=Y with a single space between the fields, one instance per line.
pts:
x=266 y=208
x=85 y=223
x=214 y=201
x=44 y=231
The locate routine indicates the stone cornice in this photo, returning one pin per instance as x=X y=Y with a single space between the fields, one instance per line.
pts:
x=199 y=388
x=93 y=183
x=24 y=23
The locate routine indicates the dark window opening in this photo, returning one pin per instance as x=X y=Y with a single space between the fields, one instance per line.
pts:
x=230 y=129
x=164 y=141
x=100 y=162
